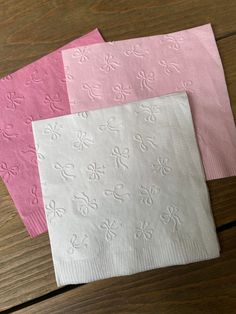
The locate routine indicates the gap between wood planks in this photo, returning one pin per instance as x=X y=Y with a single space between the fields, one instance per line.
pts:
x=62 y=290
x=225 y=36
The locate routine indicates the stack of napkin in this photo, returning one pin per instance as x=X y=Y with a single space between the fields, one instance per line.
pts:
x=109 y=145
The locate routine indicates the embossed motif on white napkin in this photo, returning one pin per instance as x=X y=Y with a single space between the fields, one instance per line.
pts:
x=124 y=190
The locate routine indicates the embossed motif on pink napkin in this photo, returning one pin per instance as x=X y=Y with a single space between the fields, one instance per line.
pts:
x=34 y=92
x=129 y=70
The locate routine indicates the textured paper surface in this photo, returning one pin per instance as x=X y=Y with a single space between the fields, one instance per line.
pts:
x=130 y=70
x=36 y=91
x=124 y=190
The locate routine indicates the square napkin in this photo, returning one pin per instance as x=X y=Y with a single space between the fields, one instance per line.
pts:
x=129 y=70
x=124 y=190
x=36 y=91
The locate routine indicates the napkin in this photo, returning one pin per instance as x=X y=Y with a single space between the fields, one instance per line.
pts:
x=129 y=70
x=36 y=91
x=124 y=190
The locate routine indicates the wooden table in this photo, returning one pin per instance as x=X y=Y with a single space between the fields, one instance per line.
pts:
x=30 y=29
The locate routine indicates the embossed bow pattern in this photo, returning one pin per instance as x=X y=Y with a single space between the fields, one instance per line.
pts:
x=8 y=172
x=121 y=92
x=144 y=230
x=136 y=51
x=53 y=211
x=39 y=155
x=173 y=42
x=83 y=141
x=34 y=199
x=169 y=67
x=147 y=193
x=85 y=204
x=93 y=91
x=110 y=227
x=117 y=193
x=110 y=63
x=14 y=100
x=171 y=216
x=8 y=77
x=34 y=151
x=146 y=79
x=68 y=77
x=52 y=101
x=95 y=171
x=28 y=121
x=82 y=54
x=65 y=170
x=36 y=77
x=185 y=85
x=120 y=156
x=7 y=132
x=112 y=125
x=53 y=131
x=144 y=143
x=162 y=166
x=78 y=243
x=83 y=115
x=150 y=112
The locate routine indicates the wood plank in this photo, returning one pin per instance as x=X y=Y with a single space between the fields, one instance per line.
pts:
x=30 y=29
x=26 y=270
x=205 y=287
x=223 y=200
x=227 y=48
x=223 y=192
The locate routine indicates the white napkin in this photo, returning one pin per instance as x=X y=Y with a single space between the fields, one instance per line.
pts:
x=124 y=190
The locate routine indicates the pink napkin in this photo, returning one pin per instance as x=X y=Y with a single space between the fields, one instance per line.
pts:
x=118 y=72
x=34 y=92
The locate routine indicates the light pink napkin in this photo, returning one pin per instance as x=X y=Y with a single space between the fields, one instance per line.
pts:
x=34 y=92
x=118 y=72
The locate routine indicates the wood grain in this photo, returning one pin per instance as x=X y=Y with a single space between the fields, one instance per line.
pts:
x=223 y=200
x=227 y=48
x=205 y=287
x=26 y=269
x=31 y=29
